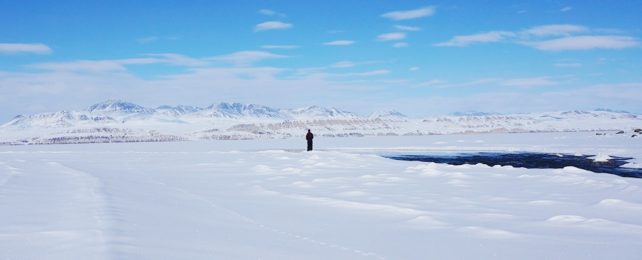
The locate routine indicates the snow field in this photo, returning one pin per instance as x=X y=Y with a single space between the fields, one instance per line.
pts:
x=204 y=200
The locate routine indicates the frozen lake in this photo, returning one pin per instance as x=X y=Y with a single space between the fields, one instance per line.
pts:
x=268 y=199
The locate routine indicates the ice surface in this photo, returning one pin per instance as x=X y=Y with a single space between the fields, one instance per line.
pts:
x=268 y=199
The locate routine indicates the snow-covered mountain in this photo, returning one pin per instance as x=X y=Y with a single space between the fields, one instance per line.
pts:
x=316 y=112
x=121 y=121
x=56 y=120
x=117 y=106
x=238 y=110
x=389 y=115
x=176 y=110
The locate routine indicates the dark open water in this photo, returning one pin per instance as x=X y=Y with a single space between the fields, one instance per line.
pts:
x=530 y=161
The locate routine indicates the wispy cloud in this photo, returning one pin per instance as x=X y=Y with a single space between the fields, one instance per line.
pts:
x=400 y=45
x=269 y=12
x=567 y=64
x=152 y=39
x=120 y=64
x=410 y=14
x=94 y=65
x=115 y=79
x=554 y=37
x=432 y=83
x=484 y=37
x=339 y=43
x=365 y=74
x=241 y=58
x=620 y=96
x=246 y=58
x=33 y=48
x=178 y=59
x=528 y=82
x=395 y=36
x=268 y=86
x=407 y=28
x=282 y=47
x=555 y=30
x=585 y=43
x=272 y=25
x=413 y=68
x=343 y=64
x=369 y=73
x=145 y=40
x=566 y=9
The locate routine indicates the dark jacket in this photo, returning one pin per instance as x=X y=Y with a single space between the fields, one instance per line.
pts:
x=309 y=136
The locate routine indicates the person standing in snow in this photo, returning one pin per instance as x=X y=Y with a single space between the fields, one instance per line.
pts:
x=309 y=136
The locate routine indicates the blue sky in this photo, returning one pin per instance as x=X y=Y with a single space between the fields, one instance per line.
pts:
x=418 y=57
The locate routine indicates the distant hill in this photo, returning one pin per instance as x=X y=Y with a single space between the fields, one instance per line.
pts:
x=122 y=121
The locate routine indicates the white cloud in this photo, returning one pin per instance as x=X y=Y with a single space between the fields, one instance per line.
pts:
x=75 y=89
x=472 y=83
x=178 y=59
x=14 y=48
x=555 y=30
x=485 y=37
x=407 y=28
x=55 y=90
x=395 y=36
x=152 y=39
x=82 y=65
x=410 y=14
x=241 y=58
x=413 y=68
x=267 y=12
x=339 y=43
x=120 y=64
x=370 y=73
x=615 y=96
x=586 y=42
x=343 y=64
x=432 y=83
x=566 y=9
x=282 y=47
x=272 y=25
x=400 y=45
x=567 y=64
x=246 y=58
x=98 y=65
x=543 y=38
x=506 y=82
x=528 y=82
x=146 y=40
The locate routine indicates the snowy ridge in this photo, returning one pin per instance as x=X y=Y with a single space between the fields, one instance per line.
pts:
x=238 y=110
x=121 y=121
x=391 y=115
x=111 y=106
x=177 y=110
x=316 y=112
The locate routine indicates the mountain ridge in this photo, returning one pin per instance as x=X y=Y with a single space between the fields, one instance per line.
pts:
x=122 y=121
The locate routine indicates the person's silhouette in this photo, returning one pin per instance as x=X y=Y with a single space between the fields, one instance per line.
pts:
x=309 y=136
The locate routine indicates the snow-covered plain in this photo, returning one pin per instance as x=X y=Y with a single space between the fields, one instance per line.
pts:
x=268 y=199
